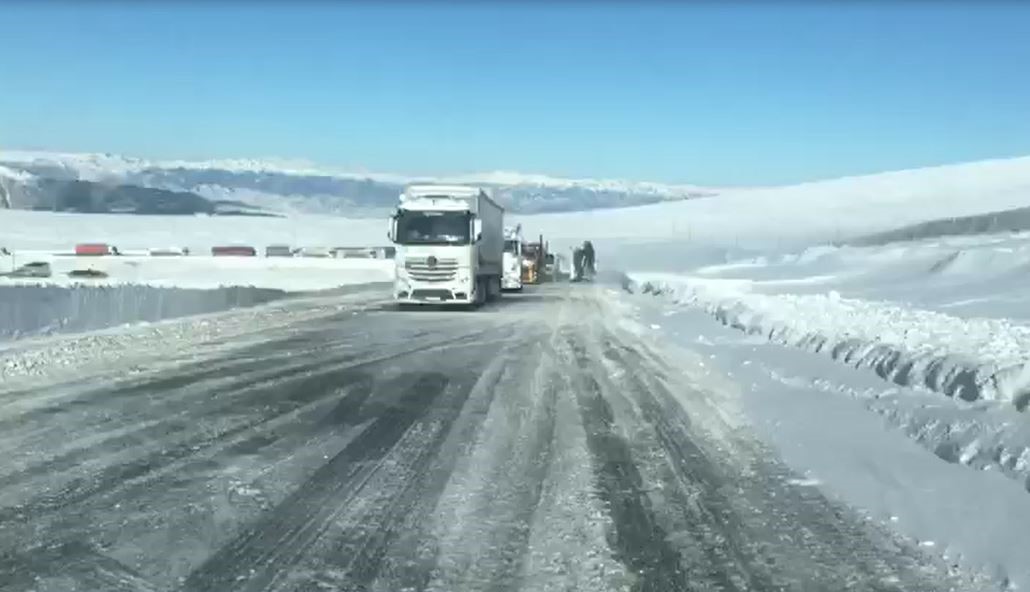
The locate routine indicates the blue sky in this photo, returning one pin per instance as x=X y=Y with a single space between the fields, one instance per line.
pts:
x=708 y=92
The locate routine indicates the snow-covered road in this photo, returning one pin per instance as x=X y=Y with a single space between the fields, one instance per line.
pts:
x=546 y=443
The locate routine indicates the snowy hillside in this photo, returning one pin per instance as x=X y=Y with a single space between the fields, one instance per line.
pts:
x=833 y=210
x=297 y=186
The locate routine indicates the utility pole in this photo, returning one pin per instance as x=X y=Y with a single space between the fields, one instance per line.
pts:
x=5 y=198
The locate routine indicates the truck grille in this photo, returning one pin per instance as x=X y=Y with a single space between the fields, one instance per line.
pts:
x=431 y=269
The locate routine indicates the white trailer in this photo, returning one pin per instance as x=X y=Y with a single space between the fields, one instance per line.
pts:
x=512 y=279
x=450 y=244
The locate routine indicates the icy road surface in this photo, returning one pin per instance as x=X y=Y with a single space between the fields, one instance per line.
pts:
x=541 y=444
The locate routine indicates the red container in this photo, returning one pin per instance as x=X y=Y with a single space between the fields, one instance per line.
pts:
x=93 y=249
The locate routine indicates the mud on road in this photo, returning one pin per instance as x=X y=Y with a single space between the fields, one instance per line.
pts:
x=542 y=444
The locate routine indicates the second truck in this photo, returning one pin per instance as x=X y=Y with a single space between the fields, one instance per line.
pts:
x=450 y=244
x=512 y=259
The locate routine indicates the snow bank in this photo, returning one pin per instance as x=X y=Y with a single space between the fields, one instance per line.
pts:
x=291 y=274
x=970 y=359
x=132 y=348
x=35 y=310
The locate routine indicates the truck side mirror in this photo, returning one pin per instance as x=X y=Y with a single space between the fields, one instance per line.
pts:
x=391 y=231
x=477 y=229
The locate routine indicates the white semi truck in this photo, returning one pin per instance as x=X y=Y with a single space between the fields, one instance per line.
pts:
x=450 y=243
x=512 y=258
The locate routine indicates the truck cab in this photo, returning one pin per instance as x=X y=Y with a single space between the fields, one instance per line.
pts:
x=449 y=245
x=512 y=259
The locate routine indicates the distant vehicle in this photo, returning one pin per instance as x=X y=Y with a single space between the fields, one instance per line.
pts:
x=534 y=262
x=95 y=249
x=562 y=267
x=278 y=251
x=167 y=252
x=36 y=269
x=512 y=258
x=354 y=253
x=450 y=245
x=87 y=273
x=317 y=252
x=233 y=251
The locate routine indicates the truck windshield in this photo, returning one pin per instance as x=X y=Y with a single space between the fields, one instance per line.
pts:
x=511 y=246
x=433 y=228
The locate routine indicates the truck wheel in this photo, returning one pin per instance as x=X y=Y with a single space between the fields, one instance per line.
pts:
x=481 y=295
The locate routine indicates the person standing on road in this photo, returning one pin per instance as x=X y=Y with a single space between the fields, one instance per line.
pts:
x=588 y=257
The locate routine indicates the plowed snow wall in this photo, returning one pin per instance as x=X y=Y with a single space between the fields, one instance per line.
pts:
x=36 y=310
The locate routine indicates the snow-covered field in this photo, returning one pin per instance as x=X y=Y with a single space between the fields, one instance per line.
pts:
x=136 y=287
x=50 y=237
x=61 y=231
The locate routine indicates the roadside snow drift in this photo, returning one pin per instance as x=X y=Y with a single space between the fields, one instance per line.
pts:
x=940 y=329
x=971 y=359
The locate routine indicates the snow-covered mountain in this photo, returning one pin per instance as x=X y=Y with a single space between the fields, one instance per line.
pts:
x=300 y=186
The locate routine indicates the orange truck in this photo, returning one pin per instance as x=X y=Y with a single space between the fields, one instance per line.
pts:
x=534 y=262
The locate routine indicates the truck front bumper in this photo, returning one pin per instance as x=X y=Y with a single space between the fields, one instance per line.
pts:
x=414 y=292
x=434 y=296
x=511 y=283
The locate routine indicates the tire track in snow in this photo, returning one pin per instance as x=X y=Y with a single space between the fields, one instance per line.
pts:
x=771 y=534
x=260 y=392
x=338 y=526
x=482 y=524
x=257 y=559
x=638 y=540
x=49 y=569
